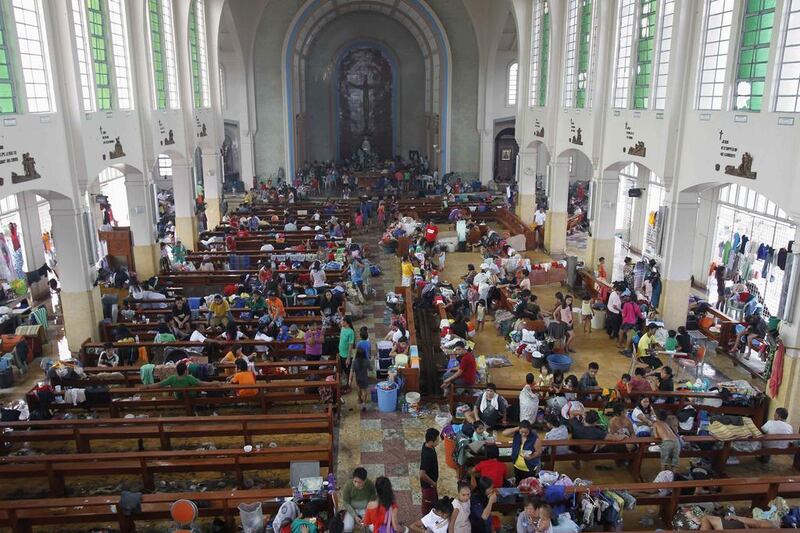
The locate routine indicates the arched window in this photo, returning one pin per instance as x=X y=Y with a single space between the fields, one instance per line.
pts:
x=199 y=54
x=667 y=14
x=751 y=75
x=714 y=53
x=112 y=184
x=580 y=19
x=511 y=90
x=23 y=50
x=540 y=53
x=162 y=46
x=788 y=99
x=164 y=166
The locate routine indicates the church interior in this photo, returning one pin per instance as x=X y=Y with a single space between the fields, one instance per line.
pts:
x=441 y=266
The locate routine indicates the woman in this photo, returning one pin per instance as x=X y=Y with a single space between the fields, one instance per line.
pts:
x=563 y=313
x=557 y=399
x=643 y=416
x=313 y=341
x=528 y=400
x=383 y=511
x=181 y=316
x=318 y=277
x=602 y=275
x=620 y=424
x=436 y=521
x=329 y=306
x=526 y=449
x=631 y=314
x=407 y=271
x=481 y=502
x=359 y=374
x=347 y=338
x=206 y=265
x=627 y=273
x=396 y=333
x=535 y=517
x=459 y=520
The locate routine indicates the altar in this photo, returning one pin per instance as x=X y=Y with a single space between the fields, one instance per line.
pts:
x=367 y=180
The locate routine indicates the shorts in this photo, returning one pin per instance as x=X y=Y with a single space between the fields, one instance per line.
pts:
x=626 y=327
x=406 y=281
x=670 y=452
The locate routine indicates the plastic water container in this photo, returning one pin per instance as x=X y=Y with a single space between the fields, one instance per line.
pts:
x=384 y=349
x=412 y=399
x=387 y=397
x=559 y=361
x=599 y=319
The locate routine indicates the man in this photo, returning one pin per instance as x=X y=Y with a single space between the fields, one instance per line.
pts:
x=539 y=218
x=647 y=343
x=491 y=408
x=467 y=371
x=590 y=429
x=461 y=233
x=275 y=307
x=776 y=426
x=181 y=379
x=525 y=308
x=429 y=471
x=613 y=316
x=638 y=382
x=756 y=329
x=589 y=380
x=179 y=252
x=492 y=467
x=431 y=233
x=219 y=309
x=290 y=226
x=357 y=493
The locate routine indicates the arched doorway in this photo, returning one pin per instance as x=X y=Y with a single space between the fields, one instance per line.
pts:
x=505 y=155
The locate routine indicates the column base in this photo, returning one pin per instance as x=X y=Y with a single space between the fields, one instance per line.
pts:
x=526 y=207
x=82 y=313
x=555 y=233
x=597 y=248
x=146 y=258
x=186 y=231
x=213 y=212
x=674 y=302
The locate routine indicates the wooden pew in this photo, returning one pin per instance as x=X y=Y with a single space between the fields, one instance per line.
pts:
x=82 y=432
x=759 y=412
x=21 y=516
x=57 y=468
x=131 y=376
x=283 y=392
x=298 y=310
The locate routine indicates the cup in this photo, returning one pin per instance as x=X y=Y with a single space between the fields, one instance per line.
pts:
x=248 y=448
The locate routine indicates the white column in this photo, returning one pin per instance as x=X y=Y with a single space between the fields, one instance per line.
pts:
x=526 y=180
x=604 y=218
x=677 y=269
x=212 y=171
x=247 y=156
x=31 y=229
x=145 y=249
x=80 y=300
x=185 y=221
x=555 y=229
x=487 y=156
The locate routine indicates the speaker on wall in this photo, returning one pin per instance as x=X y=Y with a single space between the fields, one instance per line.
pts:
x=635 y=193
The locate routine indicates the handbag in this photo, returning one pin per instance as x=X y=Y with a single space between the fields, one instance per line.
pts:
x=386 y=527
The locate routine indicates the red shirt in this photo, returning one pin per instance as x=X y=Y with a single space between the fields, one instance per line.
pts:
x=469 y=369
x=494 y=470
x=431 y=232
x=640 y=385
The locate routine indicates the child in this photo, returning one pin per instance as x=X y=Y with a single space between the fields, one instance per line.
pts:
x=108 y=357
x=442 y=257
x=587 y=313
x=481 y=315
x=545 y=377
x=436 y=521
x=670 y=445
x=671 y=344
x=480 y=432
x=359 y=221
x=359 y=372
x=623 y=385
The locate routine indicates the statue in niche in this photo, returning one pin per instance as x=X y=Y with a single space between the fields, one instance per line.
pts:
x=539 y=132
x=577 y=138
x=203 y=131
x=118 y=152
x=745 y=168
x=29 y=167
x=639 y=150
x=365 y=146
x=170 y=139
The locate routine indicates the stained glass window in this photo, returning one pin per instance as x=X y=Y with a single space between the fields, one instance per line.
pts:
x=788 y=99
x=751 y=74
x=622 y=79
x=584 y=53
x=570 y=64
x=714 y=54
x=99 y=48
x=645 y=53
x=7 y=102
x=665 y=44
x=119 y=49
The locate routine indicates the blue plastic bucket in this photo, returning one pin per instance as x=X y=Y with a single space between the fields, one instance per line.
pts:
x=387 y=397
x=559 y=361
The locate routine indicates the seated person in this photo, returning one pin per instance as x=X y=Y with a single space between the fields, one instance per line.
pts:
x=181 y=379
x=357 y=493
x=480 y=432
x=437 y=520
x=492 y=467
x=647 y=345
x=243 y=376
x=491 y=408
x=684 y=341
x=219 y=311
x=108 y=357
x=556 y=430
x=589 y=429
x=181 y=316
x=466 y=373
x=756 y=328
x=639 y=383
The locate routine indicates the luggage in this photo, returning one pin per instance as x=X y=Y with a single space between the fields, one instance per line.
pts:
x=6 y=378
x=98 y=395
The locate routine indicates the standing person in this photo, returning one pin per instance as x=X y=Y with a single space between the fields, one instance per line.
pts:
x=179 y=252
x=563 y=313
x=356 y=495
x=719 y=276
x=383 y=510
x=613 y=313
x=359 y=374
x=313 y=343
x=318 y=277
x=528 y=401
x=526 y=449
x=429 y=470
x=407 y=271
x=776 y=426
x=481 y=503
x=627 y=274
x=670 y=446
x=461 y=234
x=431 y=233
x=539 y=218
x=602 y=275
x=587 y=313
x=347 y=337
x=357 y=268
x=631 y=314
x=459 y=520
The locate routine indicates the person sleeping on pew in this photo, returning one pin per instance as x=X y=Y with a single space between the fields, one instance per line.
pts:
x=181 y=379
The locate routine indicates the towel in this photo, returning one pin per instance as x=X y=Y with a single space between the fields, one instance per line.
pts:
x=146 y=374
x=75 y=396
x=485 y=403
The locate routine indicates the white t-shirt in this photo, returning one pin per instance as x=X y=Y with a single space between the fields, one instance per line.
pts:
x=267 y=248
x=197 y=337
x=435 y=523
x=637 y=425
x=777 y=427
x=665 y=476
x=539 y=218
x=318 y=277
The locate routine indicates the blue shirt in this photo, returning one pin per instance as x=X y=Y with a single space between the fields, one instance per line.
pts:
x=366 y=346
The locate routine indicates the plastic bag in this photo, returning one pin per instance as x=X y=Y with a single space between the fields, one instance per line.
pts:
x=252 y=517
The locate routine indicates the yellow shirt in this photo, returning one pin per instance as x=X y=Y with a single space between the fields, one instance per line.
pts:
x=407 y=269
x=519 y=464
x=229 y=358
x=644 y=344
x=220 y=310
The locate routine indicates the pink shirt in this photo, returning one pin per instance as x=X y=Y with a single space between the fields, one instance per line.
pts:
x=630 y=313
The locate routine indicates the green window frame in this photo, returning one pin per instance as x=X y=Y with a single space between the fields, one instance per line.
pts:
x=645 y=53
x=584 y=52
x=95 y=19
x=194 y=55
x=8 y=102
x=544 y=55
x=751 y=73
x=159 y=61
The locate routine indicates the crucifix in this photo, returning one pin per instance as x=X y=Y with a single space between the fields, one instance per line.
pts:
x=364 y=87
